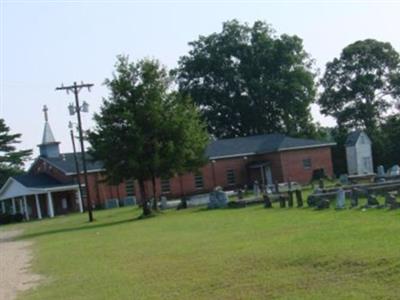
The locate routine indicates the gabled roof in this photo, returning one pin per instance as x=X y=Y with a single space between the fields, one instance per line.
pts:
x=24 y=185
x=259 y=144
x=241 y=146
x=66 y=163
x=353 y=137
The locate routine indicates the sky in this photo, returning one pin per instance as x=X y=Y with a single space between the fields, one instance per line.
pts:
x=46 y=43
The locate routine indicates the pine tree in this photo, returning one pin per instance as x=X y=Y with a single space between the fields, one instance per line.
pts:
x=11 y=160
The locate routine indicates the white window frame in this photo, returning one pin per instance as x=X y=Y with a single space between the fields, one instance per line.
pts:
x=165 y=185
x=198 y=178
x=307 y=163
x=230 y=177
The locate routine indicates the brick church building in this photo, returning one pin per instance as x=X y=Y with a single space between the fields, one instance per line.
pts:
x=50 y=186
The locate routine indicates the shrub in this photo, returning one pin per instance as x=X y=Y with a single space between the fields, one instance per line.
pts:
x=8 y=218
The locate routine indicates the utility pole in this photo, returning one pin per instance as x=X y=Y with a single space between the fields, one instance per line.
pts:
x=71 y=130
x=76 y=88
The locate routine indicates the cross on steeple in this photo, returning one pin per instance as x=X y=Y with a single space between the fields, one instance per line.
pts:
x=45 y=109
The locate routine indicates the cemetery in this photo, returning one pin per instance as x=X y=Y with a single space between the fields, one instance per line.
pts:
x=229 y=253
x=231 y=243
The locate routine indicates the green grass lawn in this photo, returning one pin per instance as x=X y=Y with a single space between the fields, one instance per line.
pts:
x=250 y=253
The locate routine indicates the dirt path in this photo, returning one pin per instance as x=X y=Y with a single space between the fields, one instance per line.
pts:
x=15 y=259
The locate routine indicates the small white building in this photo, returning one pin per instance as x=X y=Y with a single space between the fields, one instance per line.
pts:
x=359 y=153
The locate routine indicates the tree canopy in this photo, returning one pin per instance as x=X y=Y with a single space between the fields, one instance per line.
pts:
x=246 y=81
x=144 y=130
x=11 y=160
x=361 y=86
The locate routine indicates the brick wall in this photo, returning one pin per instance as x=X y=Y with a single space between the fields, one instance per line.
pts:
x=286 y=165
x=294 y=170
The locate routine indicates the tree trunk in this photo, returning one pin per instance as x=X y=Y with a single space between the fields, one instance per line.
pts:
x=145 y=204
x=155 y=201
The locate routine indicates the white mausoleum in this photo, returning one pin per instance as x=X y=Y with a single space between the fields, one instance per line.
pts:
x=359 y=153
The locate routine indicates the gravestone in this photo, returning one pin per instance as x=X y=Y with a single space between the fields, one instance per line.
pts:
x=390 y=200
x=256 y=189
x=313 y=199
x=380 y=171
x=354 y=197
x=340 y=198
x=218 y=199
x=323 y=203
x=321 y=183
x=395 y=170
x=299 y=198
x=267 y=201
x=240 y=194
x=163 y=204
x=372 y=201
x=183 y=203
x=282 y=201
x=344 y=179
x=290 y=199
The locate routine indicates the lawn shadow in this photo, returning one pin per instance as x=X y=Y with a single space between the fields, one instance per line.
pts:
x=84 y=226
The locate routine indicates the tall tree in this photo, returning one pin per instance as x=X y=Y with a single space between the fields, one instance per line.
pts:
x=11 y=160
x=389 y=153
x=248 y=81
x=144 y=130
x=361 y=85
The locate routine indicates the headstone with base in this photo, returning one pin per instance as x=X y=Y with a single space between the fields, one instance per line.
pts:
x=218 y=199
x=163 y=204
x=256 y=189
x=340 y=198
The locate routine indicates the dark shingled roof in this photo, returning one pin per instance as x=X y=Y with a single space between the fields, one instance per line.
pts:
x=39 y=181
x=66 y=163
x=352 y=138
x=259 y=144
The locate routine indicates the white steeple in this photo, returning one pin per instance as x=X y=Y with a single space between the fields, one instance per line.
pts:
x=49 y=146
x=48 y=136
